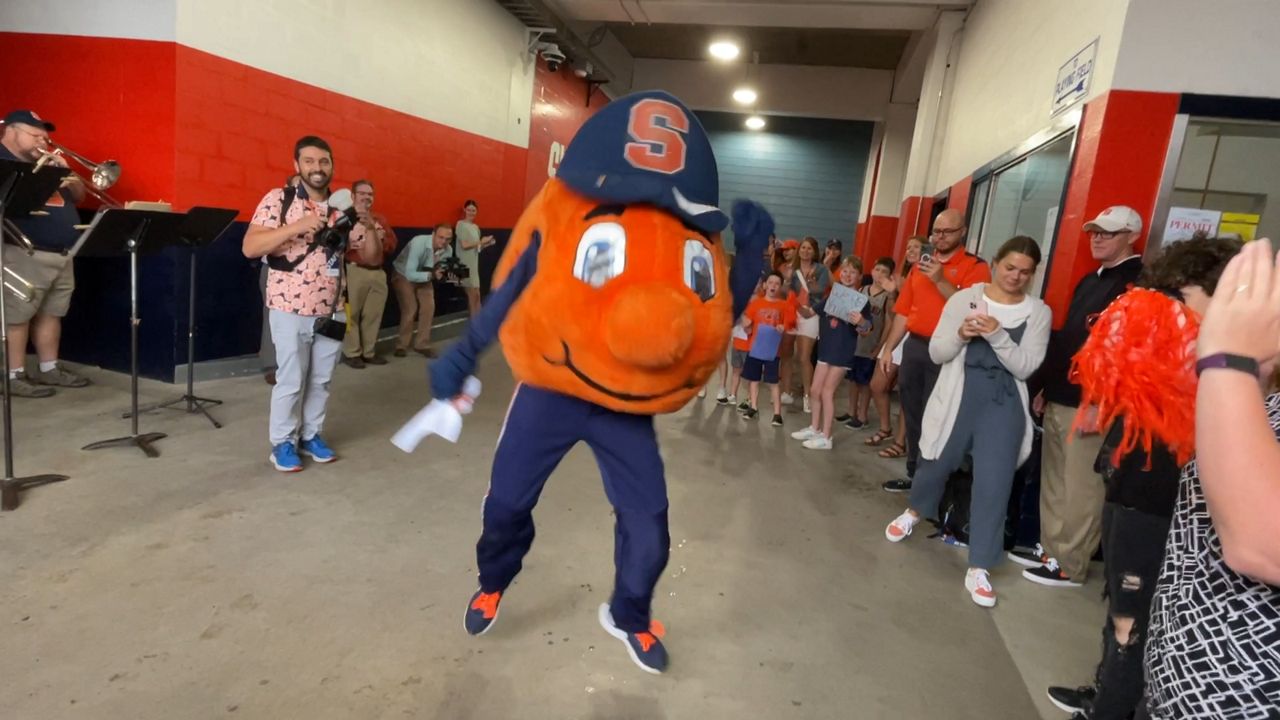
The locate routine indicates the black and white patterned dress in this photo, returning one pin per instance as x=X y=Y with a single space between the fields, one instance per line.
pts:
x=1214 y=645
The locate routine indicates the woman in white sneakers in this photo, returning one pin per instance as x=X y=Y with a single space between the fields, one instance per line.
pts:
x=989 y=341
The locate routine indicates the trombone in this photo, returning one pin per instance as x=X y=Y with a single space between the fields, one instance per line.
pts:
x=14 y=282
x=104 y=174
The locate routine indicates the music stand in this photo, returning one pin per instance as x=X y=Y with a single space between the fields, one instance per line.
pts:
x=202 y=227
x=13 y=177
x=135 y=232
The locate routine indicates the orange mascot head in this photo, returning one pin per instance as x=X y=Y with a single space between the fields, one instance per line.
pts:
x=630 y=305
x=613 y=288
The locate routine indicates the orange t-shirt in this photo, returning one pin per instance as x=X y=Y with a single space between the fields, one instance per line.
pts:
x=920 y=300
x=761 y=310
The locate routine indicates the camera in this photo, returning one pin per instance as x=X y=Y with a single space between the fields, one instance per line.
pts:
x=453 y=269
x=332 y=238
x=553 y=55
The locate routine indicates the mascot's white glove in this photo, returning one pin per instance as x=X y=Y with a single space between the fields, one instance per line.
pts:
x=439 y=417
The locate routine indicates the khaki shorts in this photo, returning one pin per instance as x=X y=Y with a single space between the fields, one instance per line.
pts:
x=51 y=278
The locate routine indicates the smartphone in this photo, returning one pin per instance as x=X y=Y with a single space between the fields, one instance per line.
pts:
x=926 y=251
x=978 y=307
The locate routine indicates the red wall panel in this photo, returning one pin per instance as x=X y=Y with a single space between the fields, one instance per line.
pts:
x=109 y=99
x=914 y=220
x=236 y=126
x=881 y=233
x=1121 y=146
x=559 y=109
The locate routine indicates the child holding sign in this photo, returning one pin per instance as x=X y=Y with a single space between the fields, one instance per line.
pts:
x=766 y=319
x=837 y=344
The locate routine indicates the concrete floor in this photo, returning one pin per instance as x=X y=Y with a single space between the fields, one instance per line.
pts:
x=204 y=584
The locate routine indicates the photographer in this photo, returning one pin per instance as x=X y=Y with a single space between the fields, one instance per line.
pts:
x=304 y=242
x=418 y=265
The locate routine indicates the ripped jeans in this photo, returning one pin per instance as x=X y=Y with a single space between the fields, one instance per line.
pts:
x=1133 y=544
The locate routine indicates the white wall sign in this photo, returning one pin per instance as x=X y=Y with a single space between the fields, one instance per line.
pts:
x=1074 y=78
x=1185 y=222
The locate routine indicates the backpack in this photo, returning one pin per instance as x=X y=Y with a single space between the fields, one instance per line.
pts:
x=953 y=511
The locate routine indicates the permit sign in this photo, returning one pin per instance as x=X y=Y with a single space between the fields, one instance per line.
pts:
x=1074 y=78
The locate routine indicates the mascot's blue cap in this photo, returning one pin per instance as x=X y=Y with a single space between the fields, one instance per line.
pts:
x=647 y=148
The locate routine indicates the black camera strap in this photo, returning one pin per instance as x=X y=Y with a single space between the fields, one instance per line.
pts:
x=279 y=262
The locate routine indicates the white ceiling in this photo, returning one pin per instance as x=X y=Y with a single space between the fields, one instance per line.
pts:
x=859 y=14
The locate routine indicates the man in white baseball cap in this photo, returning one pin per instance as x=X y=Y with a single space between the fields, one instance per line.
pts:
x=1071 y=493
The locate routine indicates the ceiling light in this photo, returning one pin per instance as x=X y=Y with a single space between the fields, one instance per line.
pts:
x=724 y=50
x=744 y=95
x=755 y=122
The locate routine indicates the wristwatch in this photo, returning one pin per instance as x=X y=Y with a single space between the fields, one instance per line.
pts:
x=1230 y=362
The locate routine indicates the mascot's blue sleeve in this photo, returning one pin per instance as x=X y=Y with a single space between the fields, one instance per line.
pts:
x=752 y=226
x=449 y=372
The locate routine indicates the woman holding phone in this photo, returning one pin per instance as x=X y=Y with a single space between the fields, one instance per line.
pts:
x=990 y=339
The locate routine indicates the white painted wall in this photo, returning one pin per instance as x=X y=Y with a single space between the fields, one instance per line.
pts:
x=823 y=92
x=460 y=63
x=899 y=125
x=1222 y=47
x=1004 y=73
x=132 y=19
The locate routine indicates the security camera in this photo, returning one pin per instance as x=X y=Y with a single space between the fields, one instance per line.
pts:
x=554 y=57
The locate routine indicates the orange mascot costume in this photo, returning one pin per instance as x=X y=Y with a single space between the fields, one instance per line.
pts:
x=613 y=303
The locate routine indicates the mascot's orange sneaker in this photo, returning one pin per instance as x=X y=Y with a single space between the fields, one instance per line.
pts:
x=645 y=648
x=482 y=610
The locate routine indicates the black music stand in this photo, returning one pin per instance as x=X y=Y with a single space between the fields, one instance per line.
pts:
x=133 y=232
x=13 y=178
x=202 y=226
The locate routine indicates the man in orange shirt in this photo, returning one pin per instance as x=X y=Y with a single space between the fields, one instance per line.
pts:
x=366 y=281
x=939 y=274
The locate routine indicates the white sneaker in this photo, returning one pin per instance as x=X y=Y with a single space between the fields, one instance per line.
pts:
x=978 y=583
x=722 y=396
x=702 y=393
x=788 y=398
x=822 y=442
x=805 y=434
x=806 y=404
x=901 y=527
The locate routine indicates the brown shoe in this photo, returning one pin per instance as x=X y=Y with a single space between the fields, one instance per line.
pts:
x=59 y=376
x=20 y=386
x=375 y=360
x=270 y=377
x=426 y=352
x=399 y=352
x=354 y=362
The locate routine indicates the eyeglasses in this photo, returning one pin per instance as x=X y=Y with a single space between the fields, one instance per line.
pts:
x=1102 y=234
x=947 y=231
x=42 y=137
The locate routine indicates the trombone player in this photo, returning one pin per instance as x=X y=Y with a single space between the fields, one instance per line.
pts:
x=25 y=138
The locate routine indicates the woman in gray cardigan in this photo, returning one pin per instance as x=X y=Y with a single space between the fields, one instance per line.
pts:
x=989 y=341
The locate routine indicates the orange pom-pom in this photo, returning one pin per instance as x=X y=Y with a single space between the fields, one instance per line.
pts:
x=1139 y=364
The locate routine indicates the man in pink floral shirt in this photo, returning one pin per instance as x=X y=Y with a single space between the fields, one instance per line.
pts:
x=304 y=286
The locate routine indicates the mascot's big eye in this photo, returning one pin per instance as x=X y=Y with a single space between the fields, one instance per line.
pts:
x=602 y=254
x=698 y=273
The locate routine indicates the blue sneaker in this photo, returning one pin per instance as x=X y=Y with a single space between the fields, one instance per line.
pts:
x=285 y=458
x=317 y=450
x=482 y=611
x=645 y=648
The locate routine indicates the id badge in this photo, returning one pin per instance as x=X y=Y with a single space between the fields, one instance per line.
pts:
x=332 y=272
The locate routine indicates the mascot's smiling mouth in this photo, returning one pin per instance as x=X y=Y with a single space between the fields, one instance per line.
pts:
x=568 y=363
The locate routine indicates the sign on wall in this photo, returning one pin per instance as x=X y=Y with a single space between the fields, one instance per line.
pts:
x=1074 y=78
x=1184 y=222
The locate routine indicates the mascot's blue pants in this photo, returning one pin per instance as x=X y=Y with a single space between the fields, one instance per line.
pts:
x=540 y=429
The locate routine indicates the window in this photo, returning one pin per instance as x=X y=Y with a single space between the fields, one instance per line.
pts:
x=1022 y=198
x=1227 y=171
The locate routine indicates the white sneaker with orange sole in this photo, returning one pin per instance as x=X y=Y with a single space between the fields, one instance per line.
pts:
x=978 y=582
x=901 y=527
